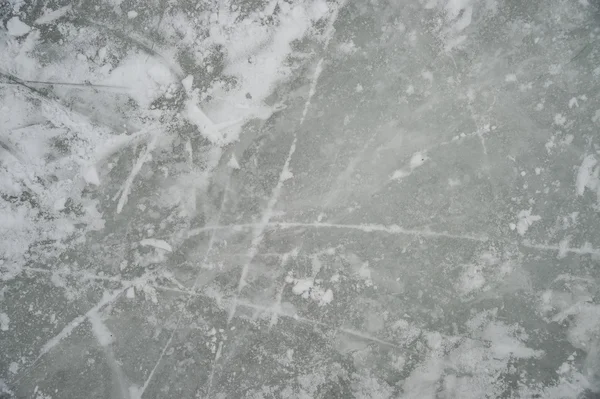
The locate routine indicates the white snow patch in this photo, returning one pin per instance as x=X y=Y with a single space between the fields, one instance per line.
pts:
x=307 y=288
x=257 y=55
x=233 y=162
x=560 y=120
x=206 y=127
x=400 y=174
x=16 y=27
x=146 y=77
x=573 y=102
x=90 y=175
x=525 y=219
x=505 y=344
x=132 y=14
x=472 y=279
x=188 y=82
x=4 y=321
x=417 y=160
x=587 y=175
x=13 y=368
x=286 y=175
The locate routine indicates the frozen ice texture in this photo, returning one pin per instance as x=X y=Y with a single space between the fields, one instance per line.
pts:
x=299 y=199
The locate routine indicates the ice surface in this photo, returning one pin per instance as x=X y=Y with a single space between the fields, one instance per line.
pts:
x=300 y=199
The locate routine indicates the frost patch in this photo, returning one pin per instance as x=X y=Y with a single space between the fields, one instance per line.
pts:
x=525 y=219
x=4 y=320
x=417 y=160
x=309 y=288
x=588 y=176
x=16 y=27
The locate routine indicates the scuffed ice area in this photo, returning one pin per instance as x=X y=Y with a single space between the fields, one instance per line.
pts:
x=300 y=199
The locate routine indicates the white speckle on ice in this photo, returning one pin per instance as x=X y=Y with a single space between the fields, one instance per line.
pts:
x=145 y=77
x=587 y=175
x=347 y=47
x=559 y=119
x=320 y=7
x=13 y=368
x=326 y=298
x=159 y=244
x=4 y=320
x=510 y=78
x=130 y=293
x=564 y=368
x=417 y=160
x=188 y=82
x=504 y=344
x=307 y=288
x=538 y=171
x=132 y=14
x=302 y=286
x=573 y=102
x=206 y=127
x=427 y=75
x=434 y=340
x=101 y=55
x=233 y=162
x=90 y=175
x=101 y=332
x=554 y=69
x=59 y=204
x=472 y=279
x=410 y=90
x=525 y=219
x=16 y=27
x=400 y=174
x=286 y=175
x=359 y=88
x=453 y=182
x=563 y=248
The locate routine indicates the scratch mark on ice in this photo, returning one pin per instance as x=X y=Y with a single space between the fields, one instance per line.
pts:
x=362 y=335
x=68 y=329
x=107 y=298
x=213 y=368
x=140 y=392
x=258 y=233
x=367 y=228
x=276 y=307
x=105 y=339
x=160 y=244
x=313 y=88
x=563 y=248
x=144 y=157
x=83 y=274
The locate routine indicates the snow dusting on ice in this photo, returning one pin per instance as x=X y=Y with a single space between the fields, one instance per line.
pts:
x=299 y=199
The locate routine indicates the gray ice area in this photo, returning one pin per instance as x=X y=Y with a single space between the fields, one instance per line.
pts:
x=300 y=199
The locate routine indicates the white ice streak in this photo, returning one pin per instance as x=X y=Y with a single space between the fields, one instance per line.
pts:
x=588 y=176
x=366 y=228
x=156 y=243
